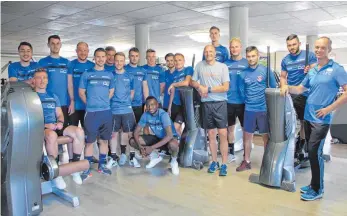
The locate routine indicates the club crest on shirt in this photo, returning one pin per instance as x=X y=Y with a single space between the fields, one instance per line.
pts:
x=259 y=78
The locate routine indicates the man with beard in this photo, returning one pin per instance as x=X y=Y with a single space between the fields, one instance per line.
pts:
x=110 y=52
x=24 y=69
x=293 y=72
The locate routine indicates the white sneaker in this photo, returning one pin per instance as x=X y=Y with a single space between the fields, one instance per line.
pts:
x=155 y=159
x=138 y=156
x=174 y=167
x=134 y=163
x=231 y=158
x=123 y=159
x=59 y=183
x=111 y=163
x=77 y=178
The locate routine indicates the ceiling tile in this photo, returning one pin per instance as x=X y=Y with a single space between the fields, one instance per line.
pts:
x=220 y=13
x=124 y=7
x=55 y=25
x=261 y=8
x=194 y=4
x=314 y=15
x=176 y=16
x=60 y=10
x=22 y=23
x=269 y=18
x=84 y=16
x=154 y=11
x=324 y=4
x=337 y=11
x=109 y=21
x=8 y=17
x=18 y=8
x=83 y=4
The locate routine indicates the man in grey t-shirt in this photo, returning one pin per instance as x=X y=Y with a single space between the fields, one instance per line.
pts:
x=211 y=79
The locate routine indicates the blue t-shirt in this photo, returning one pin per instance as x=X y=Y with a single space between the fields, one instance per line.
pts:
x=76 y=69
x=97 y=85
x=154 y=76
x=110 y=68
x=57 y=77
x=236 y=80
x=16 y=70
x=157 y=123
x=49 y=102
x=324 y=85
x=255 y=83
x=168 y=82
x=179 y=76
x=222 y=54
x=139 y=75
x=295 y=65
x=121 y=100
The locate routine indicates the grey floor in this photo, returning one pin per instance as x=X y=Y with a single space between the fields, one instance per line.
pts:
x=130 y=191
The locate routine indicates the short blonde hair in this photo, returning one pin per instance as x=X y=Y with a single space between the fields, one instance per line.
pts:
x=179 y=54
x=235 y=39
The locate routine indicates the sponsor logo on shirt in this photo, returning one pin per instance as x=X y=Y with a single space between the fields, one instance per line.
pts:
x=241 y=66
x=259 y=78
x=105 y=83
x=328 y=71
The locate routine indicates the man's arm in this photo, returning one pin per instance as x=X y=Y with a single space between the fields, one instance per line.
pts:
x=111 y=93
x=172 y=95
x=185 y=82
x=219 y=89
x=82 y=94
x=340 y=101
x=71 y=94
x=162 y=87
x=145 y=89
x=132 y=93
x=292 y=89
x=165 y=140
x=283 y=78
x=137 y=135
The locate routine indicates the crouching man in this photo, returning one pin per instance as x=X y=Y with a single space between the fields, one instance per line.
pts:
x=54 y=121
x=164 y=134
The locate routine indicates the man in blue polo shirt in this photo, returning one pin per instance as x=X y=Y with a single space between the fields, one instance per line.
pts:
x=24 y=69
x=255 y=82
x=110 y=52
x=236 y=102
x=170 y=64
x=155 y=75
x=140 y=82
x=54 y=120
x=293 y=72
x=222 y=53
x=123 y=115
x=57 y=68
x=164 y=134
x=95 y=90
x=181 y=77
x=75 y=70
x=323 y=82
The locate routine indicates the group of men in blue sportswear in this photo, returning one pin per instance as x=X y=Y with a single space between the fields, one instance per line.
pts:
x=108 y=96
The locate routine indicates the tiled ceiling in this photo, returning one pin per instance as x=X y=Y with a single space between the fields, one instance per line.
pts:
x=102 y=23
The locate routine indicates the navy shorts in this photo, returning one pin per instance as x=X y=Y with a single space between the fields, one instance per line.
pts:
x=253 y=120
x=96 y=124
x=124 y=121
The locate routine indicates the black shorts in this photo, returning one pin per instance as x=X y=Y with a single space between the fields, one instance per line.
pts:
x=76 y=117
x=138 y=111
x=177 y=113
x=214 y=114
x=299 y=102
x=236 y=111
x=152 y=140
x=96 y=124
x=124 y=121
x=65 y=110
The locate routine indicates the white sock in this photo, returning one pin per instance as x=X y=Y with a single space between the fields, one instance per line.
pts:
x=173 y=159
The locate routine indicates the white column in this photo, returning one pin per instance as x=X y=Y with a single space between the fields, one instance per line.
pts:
x=142 y=41
x=238 y=25
x=310 y=39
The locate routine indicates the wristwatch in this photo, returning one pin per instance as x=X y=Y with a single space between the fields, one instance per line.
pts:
x=209 y=89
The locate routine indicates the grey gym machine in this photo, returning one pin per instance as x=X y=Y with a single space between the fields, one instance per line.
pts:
x=193 y=151
x=22 y=159
x=277 y=168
